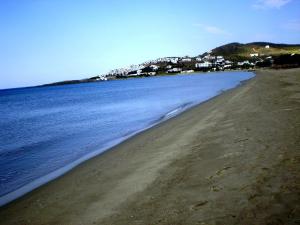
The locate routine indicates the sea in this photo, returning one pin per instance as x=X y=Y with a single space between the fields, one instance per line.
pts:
x=47 y=131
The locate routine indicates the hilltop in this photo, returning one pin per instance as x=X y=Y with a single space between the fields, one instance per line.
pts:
x=237 y=51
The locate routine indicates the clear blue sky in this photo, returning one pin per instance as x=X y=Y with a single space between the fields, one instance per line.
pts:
x=44 y=41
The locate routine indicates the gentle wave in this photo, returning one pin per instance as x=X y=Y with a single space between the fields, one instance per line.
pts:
x=176 y=111
x=57 y=173
x=123 y=112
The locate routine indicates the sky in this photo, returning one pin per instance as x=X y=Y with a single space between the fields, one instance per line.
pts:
x=43 y=41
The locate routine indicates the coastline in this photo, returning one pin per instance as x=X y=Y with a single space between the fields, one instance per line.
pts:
x=132 y=176
x=85 y=81
x=27 y=188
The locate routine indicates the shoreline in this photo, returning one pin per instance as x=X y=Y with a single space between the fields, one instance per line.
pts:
x=39 y=182
x=76 y=82
x=163 y=174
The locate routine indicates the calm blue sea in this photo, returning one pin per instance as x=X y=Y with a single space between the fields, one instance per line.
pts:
x=46 y=131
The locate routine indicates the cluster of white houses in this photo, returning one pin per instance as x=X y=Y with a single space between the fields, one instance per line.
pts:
x=185 y=64
x=206 y=62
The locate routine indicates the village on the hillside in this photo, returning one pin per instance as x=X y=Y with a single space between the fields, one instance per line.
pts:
x=173 y=65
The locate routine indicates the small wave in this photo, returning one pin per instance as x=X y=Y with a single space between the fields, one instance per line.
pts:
x=176 y=111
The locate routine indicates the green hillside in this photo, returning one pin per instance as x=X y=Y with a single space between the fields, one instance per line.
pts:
x=238 y=51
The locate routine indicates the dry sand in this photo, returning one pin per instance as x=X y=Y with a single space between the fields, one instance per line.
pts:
x=232 y=160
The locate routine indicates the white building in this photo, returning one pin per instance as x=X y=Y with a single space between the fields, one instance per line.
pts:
x=244 y=63
x=154 y=67
x=254 y=54
x=134 y=73
x=209 y=57
x=174 y=60
x=116 y=72
x=136 y=67
x=188 y=71
x=174 y=70
x=186 y=59
x=203 y=65
x=220 y=59
x=102 y=77
x=267 y=46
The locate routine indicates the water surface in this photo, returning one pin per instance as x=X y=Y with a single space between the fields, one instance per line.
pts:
x=46 y=131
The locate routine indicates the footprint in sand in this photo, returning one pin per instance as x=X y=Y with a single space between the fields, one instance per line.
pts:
x=219 y=172
x=199 y=204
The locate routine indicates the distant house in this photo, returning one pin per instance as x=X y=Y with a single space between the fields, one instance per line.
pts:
x=101 y=77
x=267 y=46
x=188 y=71
x=209 y=57
x=203 y=65
x=117 y=72
x=220 y=59
x=174 y=70
x=244 y=63
x=134 y=73
x=174 y=60
x=227 y=64
x=169 y=67
x=136 y=67
x=186 y=60
x=154 y=67
x=198 y=59
x=254 y=54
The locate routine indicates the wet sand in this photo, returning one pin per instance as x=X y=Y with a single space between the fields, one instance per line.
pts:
x=234 y=159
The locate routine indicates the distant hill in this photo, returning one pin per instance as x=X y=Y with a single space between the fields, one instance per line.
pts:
x=237 y=51
x=88 y=80
x=283 y=56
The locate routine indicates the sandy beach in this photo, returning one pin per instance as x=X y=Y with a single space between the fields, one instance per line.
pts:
x=234 y=159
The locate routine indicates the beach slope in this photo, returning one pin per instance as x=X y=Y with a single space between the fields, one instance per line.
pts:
x=234 y=159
